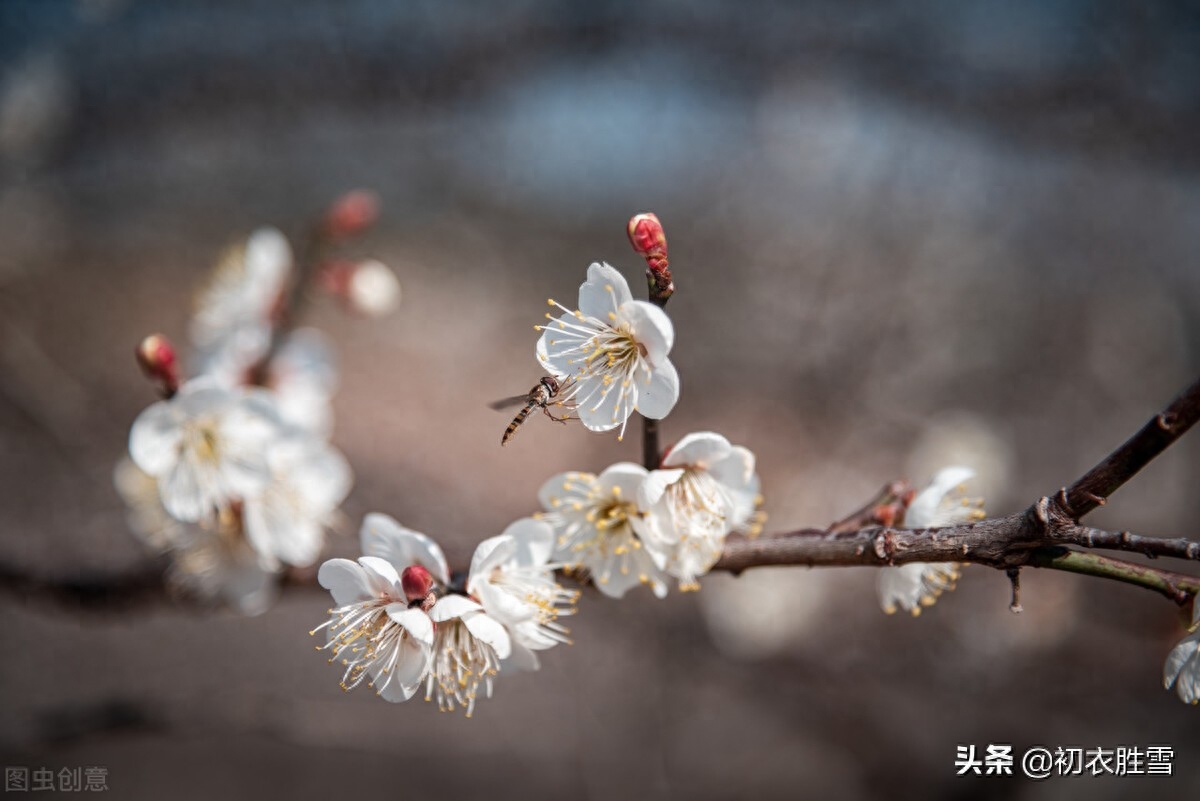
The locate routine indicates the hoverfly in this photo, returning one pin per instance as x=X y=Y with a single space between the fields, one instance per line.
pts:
x=542 y=396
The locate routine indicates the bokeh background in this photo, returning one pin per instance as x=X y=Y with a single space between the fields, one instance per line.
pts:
x=904 y=234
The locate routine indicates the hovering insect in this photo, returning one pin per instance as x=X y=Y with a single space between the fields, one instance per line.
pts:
x=542 y=396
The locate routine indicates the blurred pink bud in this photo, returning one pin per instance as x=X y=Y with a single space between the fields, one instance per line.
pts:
x=351 y=214
x=156 y=357
x=417 y=583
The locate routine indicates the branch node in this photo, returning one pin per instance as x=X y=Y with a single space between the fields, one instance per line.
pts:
x=1041 y=510
x=1014 y=576
x=1165 y=421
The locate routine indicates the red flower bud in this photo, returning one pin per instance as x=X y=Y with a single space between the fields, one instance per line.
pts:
x=648 y=238
x=351 y=214
x=156 y=357
x=417 y=583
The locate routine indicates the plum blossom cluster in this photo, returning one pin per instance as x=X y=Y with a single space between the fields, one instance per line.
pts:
x=232 y=473
x=400 y=624
x=629 y=526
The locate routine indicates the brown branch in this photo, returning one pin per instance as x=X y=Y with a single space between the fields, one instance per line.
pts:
x=1034 y=537
x=1095 y=486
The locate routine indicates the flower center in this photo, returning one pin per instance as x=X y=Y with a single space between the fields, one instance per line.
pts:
x=202 y=440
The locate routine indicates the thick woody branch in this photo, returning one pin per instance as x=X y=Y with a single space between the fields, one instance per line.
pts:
x=1032 y=538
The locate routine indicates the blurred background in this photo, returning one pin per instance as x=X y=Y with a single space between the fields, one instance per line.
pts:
x=903 y=234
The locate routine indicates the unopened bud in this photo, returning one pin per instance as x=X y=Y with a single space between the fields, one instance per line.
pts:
x=372 y=289
x=650 y=242
x=156 y=357
x=417 y=583
x=647 y=236
x=351 y=214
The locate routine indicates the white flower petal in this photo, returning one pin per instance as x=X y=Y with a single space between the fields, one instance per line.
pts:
x=624 y=477
x=923 y=511
x=651 y=327
x=451 y=606
x=655 y=484
x=534 y=539
x=381 y=575
x=522 y=658
x=736 y=470
x=280 y=531
x=406 y=677
x=656 y=398
x=573 y=484
x=155 y=438
x=604 y=291
x=701 y=449
x=383 y=537
x=186 y=492
x=489 y=554
x=914 y=585
x=490 y=631
x=559 y=347
x=503 y=606
x=603 y=407
x=346 y=581
x=414 y=621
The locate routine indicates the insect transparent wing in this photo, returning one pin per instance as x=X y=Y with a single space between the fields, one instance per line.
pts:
x=508 y=403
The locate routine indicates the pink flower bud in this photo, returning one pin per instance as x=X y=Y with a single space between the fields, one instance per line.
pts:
x=417 y=583
x=156 y=357
x=351 y=214
x=648 y=239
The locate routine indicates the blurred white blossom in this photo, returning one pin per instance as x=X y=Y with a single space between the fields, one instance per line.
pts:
x=231 y=327
x=705 y=489
x=615 y=350
x=286 y=521
x=206 y=447
x=942 y=503
x=1182 y=669
x=601 y=527
x=373 y=289
x=303 y=376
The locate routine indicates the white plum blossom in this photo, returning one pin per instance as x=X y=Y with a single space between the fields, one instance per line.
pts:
x=144 y=510
x=601 y=527
x=614 y=351
x=513 y=578
x=943 y=503
x=231 y=327
x=373 y=631
x=1182 y=668
x=213 y=562
x=286 y=521
x=210 y=560
x=303 y=376
x=705 y=489
x=206 y=447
